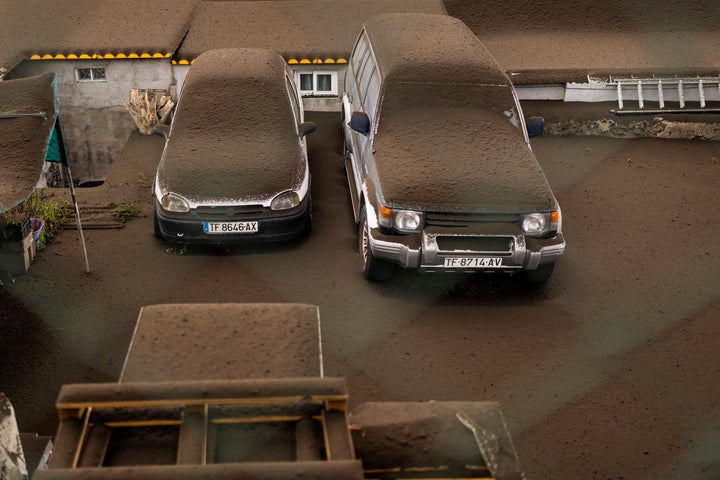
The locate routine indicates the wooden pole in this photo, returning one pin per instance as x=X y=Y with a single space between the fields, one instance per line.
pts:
x=77 y=219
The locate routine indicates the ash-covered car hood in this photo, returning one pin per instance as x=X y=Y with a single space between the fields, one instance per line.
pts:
x=458 y=151
x=234 y=136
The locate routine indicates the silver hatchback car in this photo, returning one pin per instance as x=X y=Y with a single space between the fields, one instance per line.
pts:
x=234 y=168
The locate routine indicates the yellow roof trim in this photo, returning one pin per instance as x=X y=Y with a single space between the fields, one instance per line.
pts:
x=341 y=60
x=304 y=61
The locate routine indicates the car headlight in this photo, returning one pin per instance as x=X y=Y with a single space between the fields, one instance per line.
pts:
x=539 y=224
x=405 y=221
x=285 y=200
x=172 y=202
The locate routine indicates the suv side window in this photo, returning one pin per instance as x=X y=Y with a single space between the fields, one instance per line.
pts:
x=371 y=92
x=359 y=53
x=362 y=66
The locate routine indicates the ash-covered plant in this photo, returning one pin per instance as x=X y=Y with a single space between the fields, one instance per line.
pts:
x=51 y=212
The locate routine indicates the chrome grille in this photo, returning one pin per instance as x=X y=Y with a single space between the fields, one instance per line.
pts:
x=475 y=244
x=466 y=219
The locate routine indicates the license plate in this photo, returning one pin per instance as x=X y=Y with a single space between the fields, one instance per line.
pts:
x=473 y=262
x=230 y=227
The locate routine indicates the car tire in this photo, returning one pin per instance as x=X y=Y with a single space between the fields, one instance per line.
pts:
x=156 y=227
x=307 y=228
x=374 y=270
x=540 y=275
x=343 y=148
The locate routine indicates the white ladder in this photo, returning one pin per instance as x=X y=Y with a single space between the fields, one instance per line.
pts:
x=695 y=90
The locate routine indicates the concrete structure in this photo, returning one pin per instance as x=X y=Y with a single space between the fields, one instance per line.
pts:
x=12 y=457
x=238 y=391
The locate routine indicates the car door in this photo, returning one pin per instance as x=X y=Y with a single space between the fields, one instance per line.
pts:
x=364 y=87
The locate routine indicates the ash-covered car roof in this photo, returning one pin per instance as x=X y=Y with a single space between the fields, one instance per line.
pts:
x=234 y=135
x=430 y=48
x=449 y=134
x=456 y=150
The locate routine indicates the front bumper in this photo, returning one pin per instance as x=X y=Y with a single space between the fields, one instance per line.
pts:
x=273 y=226
x=429 y=249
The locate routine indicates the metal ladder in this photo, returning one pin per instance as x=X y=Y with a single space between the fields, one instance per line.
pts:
x=695 y=90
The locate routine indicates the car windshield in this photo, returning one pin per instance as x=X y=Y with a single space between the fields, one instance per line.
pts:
x=429 y=144
x=465 y=104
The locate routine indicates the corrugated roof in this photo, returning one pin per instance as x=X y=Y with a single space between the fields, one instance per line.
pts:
x=298 y=29
x=548 y=41
x=90 y=27
x=562 y=40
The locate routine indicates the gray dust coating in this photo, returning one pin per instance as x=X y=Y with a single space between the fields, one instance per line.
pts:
x=23 y=141
x=224 y=341
x=234 y=135
x=448 y=136
x=457 y=151
x=430 y=48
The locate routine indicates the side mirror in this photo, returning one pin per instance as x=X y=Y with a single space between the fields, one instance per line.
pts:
x=535 y=126
x=306 y=128
x=360 y=122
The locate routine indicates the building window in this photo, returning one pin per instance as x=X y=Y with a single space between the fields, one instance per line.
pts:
x=90 y=74
x=317 y=84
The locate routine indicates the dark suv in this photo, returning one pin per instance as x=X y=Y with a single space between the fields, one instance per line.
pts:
x=438 y=159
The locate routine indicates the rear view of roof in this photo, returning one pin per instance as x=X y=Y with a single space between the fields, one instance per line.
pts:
x=53 y=28
x=561 y=41
x=24 y=139
x=420 y=47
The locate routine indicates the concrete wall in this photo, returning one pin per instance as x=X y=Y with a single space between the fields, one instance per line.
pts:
x=94 y=138
x=319 y=104
x=121 y=76
x=95 y=124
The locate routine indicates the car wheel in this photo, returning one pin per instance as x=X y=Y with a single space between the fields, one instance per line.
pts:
x=156 y=227
x=540 y=275
x=343 y=150
x=373 y=269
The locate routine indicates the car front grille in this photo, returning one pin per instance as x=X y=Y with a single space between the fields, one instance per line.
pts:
x=227 y=212
x=466 y=219
x=501 y=244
